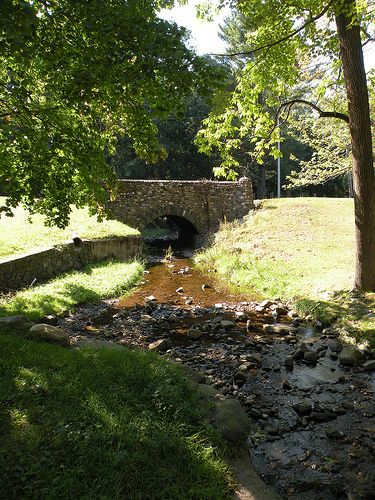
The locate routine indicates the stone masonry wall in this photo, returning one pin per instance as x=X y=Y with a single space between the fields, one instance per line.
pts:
x=204 y=203
x=23 y=270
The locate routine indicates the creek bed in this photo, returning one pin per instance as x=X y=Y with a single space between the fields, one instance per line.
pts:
x=313 y=424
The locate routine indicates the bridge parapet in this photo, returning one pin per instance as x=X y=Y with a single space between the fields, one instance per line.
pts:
x=204 y=203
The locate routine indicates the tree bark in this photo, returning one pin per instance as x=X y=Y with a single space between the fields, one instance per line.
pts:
x=360 y=132
x=261 y=182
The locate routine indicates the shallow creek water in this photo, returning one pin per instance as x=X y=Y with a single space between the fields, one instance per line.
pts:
x=313 y=424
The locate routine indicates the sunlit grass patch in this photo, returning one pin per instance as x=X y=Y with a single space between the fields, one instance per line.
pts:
x=95 y=282
x=18 y=235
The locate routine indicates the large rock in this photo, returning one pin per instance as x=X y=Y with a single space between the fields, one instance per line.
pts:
x=194 y=333
x=303 y=407
x=350 y=356
x=227 y=324
x=49 y=333
x=160 y=345
x=10 y=325
x=310 y=357
x=280 y=328
x=335 y=345
x=13 y=320
x=369 y=365
x=227 y=415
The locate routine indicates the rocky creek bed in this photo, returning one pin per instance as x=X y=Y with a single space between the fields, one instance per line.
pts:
x=309 y=397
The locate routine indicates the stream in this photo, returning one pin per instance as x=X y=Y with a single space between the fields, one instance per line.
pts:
x=312 y=409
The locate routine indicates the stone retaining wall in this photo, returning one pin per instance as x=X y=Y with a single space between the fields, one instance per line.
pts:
x=23 y=270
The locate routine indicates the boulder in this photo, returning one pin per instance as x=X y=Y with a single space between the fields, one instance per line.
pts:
x=160 y=345
x=304 y=407
x=369 y=365
x=266 y=304
x=49 y=333
x=300 y=352
x=311 y=357
x=146 y=318
x=194 y=333
x=350 y=356
x=289 y=362
x=13 y=321
x=15 y=325
x=333 y=432
x=150 y=298
x=241 y=316
x=225 y=323
x=227 y=415
x=335 y=345
x=280 y=328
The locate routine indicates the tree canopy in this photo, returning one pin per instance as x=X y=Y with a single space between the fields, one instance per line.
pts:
x=285 y=54
x=74 y=76
x=300 y=52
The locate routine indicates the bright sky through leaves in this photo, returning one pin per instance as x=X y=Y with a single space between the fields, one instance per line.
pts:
x=204 y=35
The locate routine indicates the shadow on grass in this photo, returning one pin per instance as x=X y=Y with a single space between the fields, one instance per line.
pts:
x=101 y=424
x=323 y=310
x=352 y=311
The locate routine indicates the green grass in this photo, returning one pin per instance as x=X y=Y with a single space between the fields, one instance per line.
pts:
x=18 y=235
x=102 y=424
x=95 y=282
x=301 y=250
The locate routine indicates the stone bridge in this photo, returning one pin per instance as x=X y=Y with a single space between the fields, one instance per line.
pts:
x=202 y=205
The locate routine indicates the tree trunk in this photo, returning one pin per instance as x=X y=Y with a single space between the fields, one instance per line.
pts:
x=261 y=182
x=360 y=132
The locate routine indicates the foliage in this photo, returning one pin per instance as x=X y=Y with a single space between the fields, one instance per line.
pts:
x=95 y=282
x=74 y=76
x=176 y=134
x=103 y=424
x=23 y=233
x=330 y=142
x=284 y=54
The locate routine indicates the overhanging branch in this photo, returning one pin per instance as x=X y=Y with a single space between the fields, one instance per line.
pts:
x=284 y=38
x=322 y=114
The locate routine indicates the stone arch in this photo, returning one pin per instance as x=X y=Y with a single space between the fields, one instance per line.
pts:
x=173 y=211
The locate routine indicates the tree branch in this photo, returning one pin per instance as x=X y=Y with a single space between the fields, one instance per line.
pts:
x=283 y=39
x=322 y=114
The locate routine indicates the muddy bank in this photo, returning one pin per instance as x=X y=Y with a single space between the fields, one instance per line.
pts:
x=310 y=399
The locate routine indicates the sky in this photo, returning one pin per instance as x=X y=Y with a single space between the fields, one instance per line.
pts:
x=205 y=37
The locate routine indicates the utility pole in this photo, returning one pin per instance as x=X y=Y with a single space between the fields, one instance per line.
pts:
x=278 y=166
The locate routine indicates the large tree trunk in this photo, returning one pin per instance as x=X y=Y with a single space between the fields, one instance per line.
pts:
x=360 y=132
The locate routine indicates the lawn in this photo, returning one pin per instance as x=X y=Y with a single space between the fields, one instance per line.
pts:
x=95 y=282
x=109 y=424
x=19 y=235
x=298 y=249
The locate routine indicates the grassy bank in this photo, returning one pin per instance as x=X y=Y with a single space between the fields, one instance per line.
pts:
x=95 y=282
x=18 y=235
x=301 y=250
x=102 y=424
